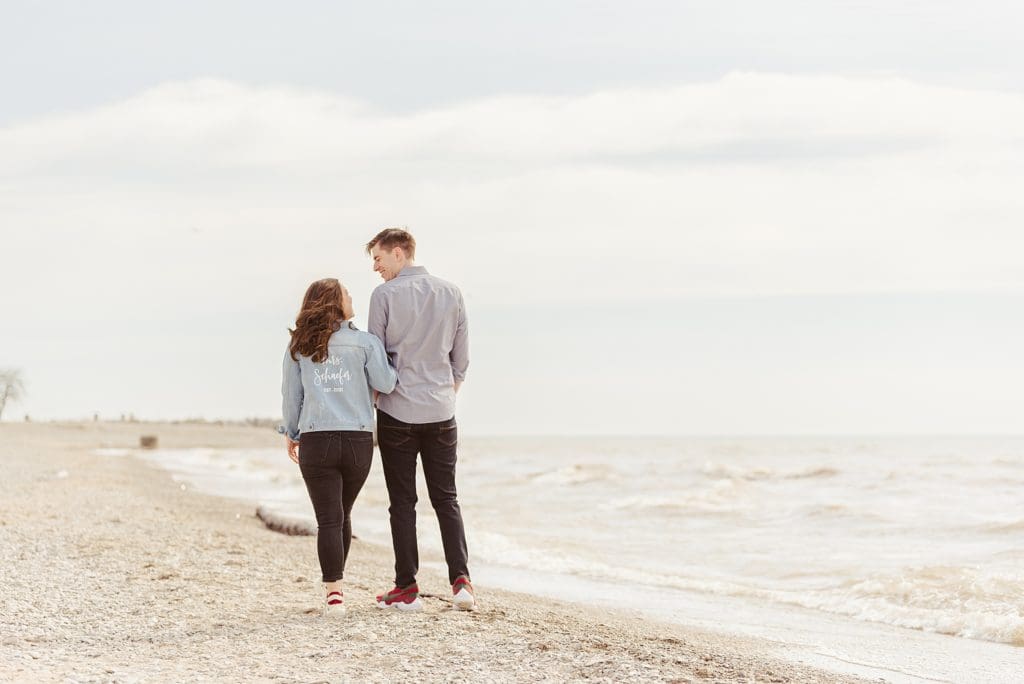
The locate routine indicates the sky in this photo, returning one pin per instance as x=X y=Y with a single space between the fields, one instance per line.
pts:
x=666 y=218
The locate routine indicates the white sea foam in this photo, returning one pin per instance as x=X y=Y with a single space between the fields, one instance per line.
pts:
x=575 y=474
x=949 y=600
x=110 y=451
x=1012 y=526
x=724 y=470
x=721 y=497
x=942 y=600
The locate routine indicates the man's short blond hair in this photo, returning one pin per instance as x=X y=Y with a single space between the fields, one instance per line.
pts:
x=389 y=238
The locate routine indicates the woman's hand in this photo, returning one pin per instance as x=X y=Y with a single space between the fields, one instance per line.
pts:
x=293 y=449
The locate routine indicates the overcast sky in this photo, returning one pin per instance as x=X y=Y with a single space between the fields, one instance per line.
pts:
x=702 y=218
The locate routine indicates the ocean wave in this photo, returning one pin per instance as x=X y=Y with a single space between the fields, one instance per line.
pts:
x=723 y=496
x=957 y=601
x=575 y=474
x=722 y=470
x=112 y=451
x=960 y=602
x=833 y=510
x=247 y=474
x=1000 y=526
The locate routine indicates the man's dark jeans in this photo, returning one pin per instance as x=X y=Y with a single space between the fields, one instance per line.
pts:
x=436 y=444
x=334 y=465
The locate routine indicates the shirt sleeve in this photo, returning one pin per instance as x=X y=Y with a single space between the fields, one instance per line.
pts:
x=381 y=376
x=291 y=395
x=459 y=354
x=377 y=317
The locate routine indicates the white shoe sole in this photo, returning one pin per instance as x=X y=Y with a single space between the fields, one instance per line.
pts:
x=334 y=611
x=464 y=600
x=413 y=607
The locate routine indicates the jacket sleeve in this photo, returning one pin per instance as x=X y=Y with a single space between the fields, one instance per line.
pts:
x=381 y=376
x=459 y=355
x=291 y=396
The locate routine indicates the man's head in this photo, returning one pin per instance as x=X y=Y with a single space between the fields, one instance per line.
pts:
x=392 y=250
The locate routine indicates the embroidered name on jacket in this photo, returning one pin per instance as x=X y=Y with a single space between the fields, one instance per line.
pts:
x=331 y=375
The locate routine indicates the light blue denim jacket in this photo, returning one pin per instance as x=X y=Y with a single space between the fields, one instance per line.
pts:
x=335 y=394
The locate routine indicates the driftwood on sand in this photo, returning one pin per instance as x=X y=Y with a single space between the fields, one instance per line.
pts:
x=285 y=524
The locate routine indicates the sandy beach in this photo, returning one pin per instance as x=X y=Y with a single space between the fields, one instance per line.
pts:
x=113 y=572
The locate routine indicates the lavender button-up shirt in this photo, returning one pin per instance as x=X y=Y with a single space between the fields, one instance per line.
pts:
x=421 y=320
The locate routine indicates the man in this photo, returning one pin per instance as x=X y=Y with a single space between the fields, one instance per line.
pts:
x=421 y=320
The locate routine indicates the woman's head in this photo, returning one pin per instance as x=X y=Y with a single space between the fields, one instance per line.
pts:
x=325 y=305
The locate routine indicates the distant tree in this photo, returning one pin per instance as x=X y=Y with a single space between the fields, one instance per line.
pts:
x=12 y=387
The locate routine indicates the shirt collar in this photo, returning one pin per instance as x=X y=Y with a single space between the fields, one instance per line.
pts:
x=412 y=270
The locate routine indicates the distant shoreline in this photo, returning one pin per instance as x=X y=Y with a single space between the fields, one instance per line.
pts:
x=273 y=423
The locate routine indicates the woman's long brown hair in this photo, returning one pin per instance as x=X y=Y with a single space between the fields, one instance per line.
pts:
x=320 y=316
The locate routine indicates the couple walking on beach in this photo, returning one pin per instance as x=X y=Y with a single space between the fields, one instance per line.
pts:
x=409 y=365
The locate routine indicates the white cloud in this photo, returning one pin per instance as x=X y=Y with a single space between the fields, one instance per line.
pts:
x=210 y=199
x=754 y=184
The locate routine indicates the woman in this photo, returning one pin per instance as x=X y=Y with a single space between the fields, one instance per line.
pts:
x=329 y=370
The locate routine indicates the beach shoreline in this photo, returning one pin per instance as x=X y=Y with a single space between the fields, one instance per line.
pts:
x=114 y=571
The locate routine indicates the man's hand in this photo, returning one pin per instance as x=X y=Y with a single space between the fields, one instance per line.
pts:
x=458 y=384
x=293 y=449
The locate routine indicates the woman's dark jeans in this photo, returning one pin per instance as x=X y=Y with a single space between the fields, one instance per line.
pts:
x=334 y=465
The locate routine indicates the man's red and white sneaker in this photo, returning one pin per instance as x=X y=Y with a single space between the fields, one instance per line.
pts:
x=462 y=594
x=335 y=604
x=401 y=599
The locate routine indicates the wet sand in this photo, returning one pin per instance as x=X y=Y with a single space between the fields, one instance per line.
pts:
x=113 y=572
